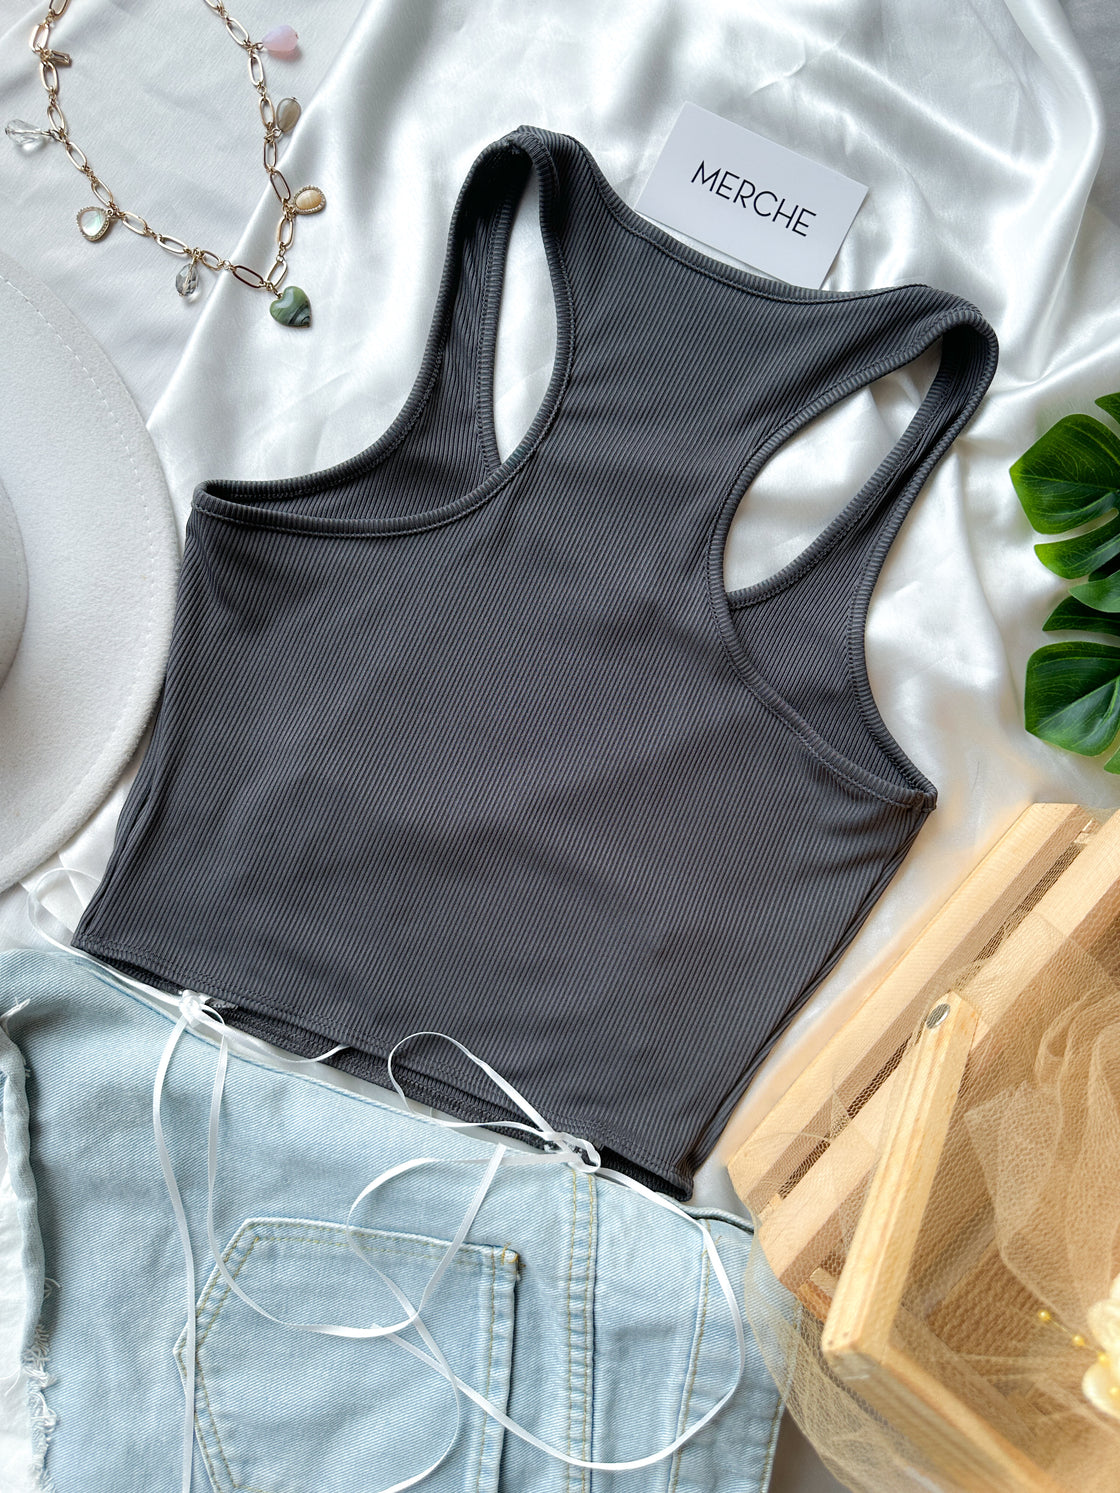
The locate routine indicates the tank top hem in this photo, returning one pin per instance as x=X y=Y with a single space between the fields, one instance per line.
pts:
x=267 y=1019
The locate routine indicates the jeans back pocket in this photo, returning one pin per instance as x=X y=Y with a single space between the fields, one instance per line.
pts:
x=283 y=1411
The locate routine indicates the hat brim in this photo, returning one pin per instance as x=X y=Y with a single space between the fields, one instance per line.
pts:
x=102 y=555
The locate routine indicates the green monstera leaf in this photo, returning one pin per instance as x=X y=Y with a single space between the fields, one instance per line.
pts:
x=1069 y=478
x=1100 y=593
x=1071 y=615
x=1086 y=553
x=1073 y=696
x=1070 y=475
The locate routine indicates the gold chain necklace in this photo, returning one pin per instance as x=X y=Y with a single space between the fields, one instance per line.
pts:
x=291 y=308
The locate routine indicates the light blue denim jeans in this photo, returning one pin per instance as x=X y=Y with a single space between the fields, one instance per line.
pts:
x=584 y=1310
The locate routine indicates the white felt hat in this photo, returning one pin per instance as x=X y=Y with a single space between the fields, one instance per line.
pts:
x=88 y=561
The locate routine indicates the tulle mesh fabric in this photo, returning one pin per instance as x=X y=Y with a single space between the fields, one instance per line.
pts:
x=1019 y=1240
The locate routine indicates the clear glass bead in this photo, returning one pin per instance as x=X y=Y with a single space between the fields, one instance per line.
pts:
x=186 y=281
x=25 y=136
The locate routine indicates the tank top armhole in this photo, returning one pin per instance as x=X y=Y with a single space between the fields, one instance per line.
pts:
x=453 y=389
x=860 y=536
x=963 y=378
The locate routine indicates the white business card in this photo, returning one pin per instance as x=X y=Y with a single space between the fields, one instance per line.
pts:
x=757 y=201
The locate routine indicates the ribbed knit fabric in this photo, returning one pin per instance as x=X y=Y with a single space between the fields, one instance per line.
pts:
x=484 y=747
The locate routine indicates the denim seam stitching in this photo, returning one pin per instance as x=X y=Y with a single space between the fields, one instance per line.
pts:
x=202 y=1376
x=419 y=1246
x=283 y=1238
x=584 y=1480
x=234 y=1484
x=568 y=1469
x=212 y=1283
x=489 y=1370
x=212 y=1470
x=683 y=1422
x=226 y=1294
x=203 y=1441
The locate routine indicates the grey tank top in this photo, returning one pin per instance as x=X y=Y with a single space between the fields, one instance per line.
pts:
x=479 y=746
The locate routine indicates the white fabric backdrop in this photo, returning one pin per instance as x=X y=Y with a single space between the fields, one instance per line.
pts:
x=975 y=124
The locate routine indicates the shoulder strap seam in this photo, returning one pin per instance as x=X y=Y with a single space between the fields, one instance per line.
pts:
x=497 y=249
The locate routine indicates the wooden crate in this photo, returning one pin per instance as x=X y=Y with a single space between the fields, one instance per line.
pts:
x=839 y=1172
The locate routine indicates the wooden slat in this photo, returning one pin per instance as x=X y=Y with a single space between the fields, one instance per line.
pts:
x=919 y=1342
x=817 y=1293
x=819 y=1216
x=858 y=1340
x=799 y=1231
x=852 y=1061
x=869 y=1292
x=951 y=1435
x=893 y=1360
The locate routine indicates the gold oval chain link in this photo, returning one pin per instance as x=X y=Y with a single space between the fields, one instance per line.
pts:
x=51 y=60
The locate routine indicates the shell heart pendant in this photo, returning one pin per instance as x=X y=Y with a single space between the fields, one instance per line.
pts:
x=309 y=200
x=292 y=309
x=94 y=223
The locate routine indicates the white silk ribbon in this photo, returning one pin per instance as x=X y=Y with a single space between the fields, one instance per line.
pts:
x=557 y=1148
x=561 y=1149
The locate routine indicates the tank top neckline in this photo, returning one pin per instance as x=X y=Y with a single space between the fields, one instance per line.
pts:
x=918 y=791
x=209 y=501
x=209 y=498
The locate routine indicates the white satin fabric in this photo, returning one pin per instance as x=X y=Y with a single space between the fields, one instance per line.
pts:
x=975 y=123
